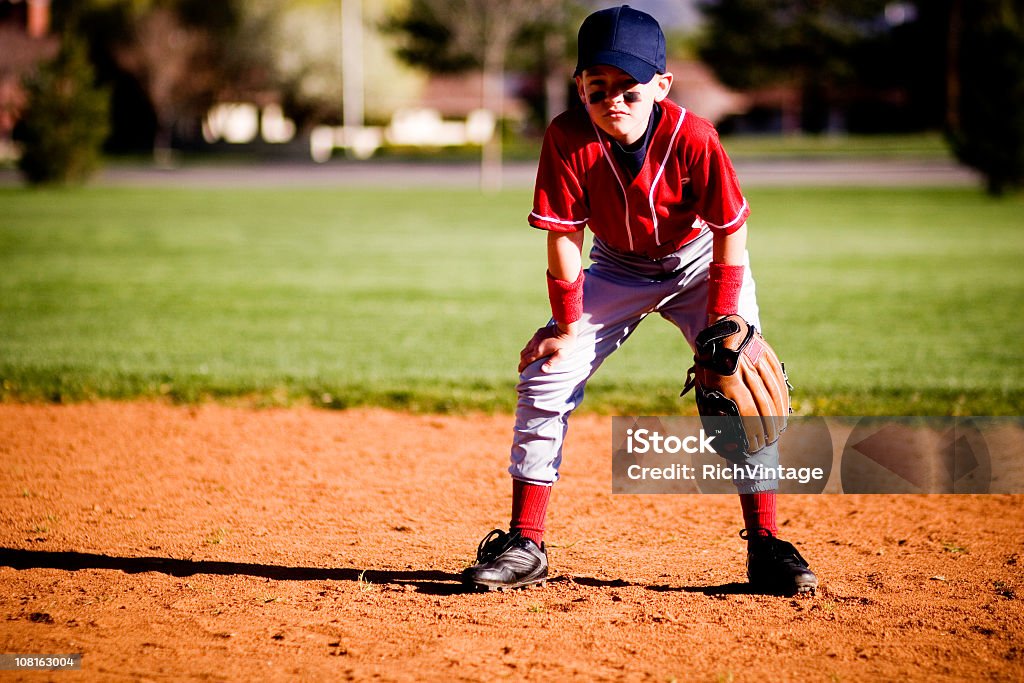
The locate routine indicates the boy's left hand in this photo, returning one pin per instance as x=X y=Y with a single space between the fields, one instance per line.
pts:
x=549 y=342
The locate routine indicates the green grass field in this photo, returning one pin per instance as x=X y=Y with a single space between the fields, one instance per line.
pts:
x=880 y=301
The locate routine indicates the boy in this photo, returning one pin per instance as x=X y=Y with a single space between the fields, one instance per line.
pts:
x=655 y=186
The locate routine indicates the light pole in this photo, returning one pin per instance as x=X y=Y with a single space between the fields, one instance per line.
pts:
x=352 y=106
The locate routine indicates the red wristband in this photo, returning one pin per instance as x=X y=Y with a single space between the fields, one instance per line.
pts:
x=724 y=284
x=566 y=299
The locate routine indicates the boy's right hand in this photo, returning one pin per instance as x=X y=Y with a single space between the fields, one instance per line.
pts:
x=551 y=342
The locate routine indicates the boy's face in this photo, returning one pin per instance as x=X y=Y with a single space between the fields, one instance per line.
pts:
x=617 y=104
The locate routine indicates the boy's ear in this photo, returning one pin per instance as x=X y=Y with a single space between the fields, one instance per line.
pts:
x=664 y=85
x=580 y=89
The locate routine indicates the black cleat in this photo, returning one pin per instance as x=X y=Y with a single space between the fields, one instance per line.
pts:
x=507 y=560
x=775 y=566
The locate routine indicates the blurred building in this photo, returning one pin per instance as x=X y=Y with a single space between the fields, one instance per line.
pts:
x=695 y=87
x=25 y=40
x=456 y=95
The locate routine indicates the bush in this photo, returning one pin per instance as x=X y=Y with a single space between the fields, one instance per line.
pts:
x=66 y=120
x=989 y=132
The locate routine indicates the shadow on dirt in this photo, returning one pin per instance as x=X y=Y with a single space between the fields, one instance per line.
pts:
x=429 y=581
x=424 y=580
x=715 y=591
x=712 y=591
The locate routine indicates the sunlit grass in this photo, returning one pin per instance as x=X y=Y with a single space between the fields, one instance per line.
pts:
x=880 y=301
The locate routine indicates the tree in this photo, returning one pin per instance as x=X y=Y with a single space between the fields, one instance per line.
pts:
x=303 y=41
x=175 y=49
x=167 y=60
x=66 y=121
x=176 y=65
x=457 y=35
x=806 y=44
x=986 y=126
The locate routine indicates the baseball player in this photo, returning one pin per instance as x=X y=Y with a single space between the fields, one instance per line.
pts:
x=653 y=183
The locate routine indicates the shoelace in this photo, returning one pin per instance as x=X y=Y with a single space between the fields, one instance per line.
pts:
x=778 y=549
x=494 y=543
x=786 y=552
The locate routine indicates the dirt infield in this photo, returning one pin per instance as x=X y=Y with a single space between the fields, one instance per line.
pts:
x=222 y=543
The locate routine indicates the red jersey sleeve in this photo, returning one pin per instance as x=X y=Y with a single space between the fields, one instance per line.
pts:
x=559 y=200
x=720 y=202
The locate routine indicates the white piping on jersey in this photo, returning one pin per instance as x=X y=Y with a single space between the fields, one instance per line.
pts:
x=548 y=219
x=734 y=221
x=615 y=172
x=661 y=171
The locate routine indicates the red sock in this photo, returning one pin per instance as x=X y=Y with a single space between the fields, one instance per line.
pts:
x=759 y=513
x=529 y=508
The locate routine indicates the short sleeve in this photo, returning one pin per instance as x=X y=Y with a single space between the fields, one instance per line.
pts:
x=720 y=202
x=559 y=198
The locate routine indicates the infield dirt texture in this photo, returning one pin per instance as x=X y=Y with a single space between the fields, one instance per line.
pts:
x=217 y=543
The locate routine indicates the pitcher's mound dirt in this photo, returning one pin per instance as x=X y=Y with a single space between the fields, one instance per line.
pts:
x=223 y=543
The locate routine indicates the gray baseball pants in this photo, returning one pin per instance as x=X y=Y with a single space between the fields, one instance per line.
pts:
x=619 y=291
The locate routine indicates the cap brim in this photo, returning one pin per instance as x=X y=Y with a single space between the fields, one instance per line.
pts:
x=642 y=71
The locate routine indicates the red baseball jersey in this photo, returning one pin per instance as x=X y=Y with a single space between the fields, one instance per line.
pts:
x=686 y=181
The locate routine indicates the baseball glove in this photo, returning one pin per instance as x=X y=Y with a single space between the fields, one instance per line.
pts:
x=741 y=385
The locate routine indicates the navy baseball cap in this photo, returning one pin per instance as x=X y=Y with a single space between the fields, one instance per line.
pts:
x=625 y=38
